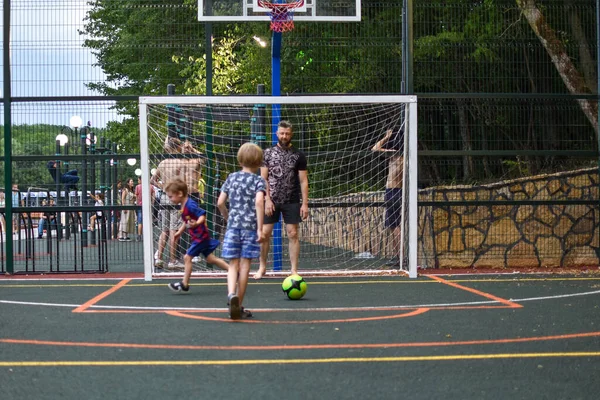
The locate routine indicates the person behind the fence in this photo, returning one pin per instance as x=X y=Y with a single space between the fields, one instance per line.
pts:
x=2 y=205
x=168 y=217
x=16 y=202
x=138 y=201
x=392 y=142
x=47 y=220
x=127 y=222
x=99 y=202
x=69 y=179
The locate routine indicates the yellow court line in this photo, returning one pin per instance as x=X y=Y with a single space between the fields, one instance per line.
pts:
x=278 y=283
x=174 y=363
x=223 y=283
x=407 y=281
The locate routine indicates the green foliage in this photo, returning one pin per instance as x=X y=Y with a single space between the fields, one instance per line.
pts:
x=345 y=58
x=460 y=37
x=460 y=46
x=30 y=140
x=125 y=133
x=516 y=168
x=135 y=40
x=235 y=67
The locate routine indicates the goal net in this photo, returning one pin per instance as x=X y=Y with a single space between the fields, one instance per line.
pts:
x=362 y=172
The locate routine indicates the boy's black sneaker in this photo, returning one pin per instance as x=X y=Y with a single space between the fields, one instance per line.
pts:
x=246 y=313
x=178 y=287
x=235 y=311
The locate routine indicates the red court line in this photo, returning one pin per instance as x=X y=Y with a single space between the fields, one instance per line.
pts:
x=123 y=311
x=478 y=292
x=304 y=346
x=260 y=311
x=102 y=295
x=323 y=321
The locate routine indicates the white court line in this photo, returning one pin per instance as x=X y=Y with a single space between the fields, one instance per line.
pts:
x=558 y=296
x=30 y=303
x=141 y=308
x=473 y=303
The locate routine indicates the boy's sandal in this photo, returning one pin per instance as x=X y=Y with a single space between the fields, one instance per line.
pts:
x=245 y=313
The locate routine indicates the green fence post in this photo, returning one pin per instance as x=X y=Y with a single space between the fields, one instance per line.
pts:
x=7 y=139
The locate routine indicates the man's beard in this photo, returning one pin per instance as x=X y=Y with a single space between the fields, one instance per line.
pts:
x=283 y=144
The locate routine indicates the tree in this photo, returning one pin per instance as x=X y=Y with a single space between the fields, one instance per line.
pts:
x=134 y=42
x=30 y=140
x=238 y=65
x=489 y=47
x=574 y=80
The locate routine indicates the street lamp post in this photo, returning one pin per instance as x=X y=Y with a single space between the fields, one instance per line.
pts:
x=61 y=141
x=84 y=214
x=91 y=142
x=115 y=193
x=69 y=220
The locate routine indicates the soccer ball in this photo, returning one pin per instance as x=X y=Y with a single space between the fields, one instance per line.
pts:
x=294 y=287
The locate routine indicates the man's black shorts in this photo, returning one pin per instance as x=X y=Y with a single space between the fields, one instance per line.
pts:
x=290 y=212
x=393 y=208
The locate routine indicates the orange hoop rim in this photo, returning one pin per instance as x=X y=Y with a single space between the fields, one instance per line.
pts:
x=270 y=5
x=281 y=14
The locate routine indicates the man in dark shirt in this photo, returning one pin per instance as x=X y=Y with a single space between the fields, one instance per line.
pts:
x=285 y=170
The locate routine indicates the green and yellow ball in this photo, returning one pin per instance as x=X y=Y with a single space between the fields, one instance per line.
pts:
x=294 y=287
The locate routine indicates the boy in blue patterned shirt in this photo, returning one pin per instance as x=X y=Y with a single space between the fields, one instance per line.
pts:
x=194 y=219
x=245 y=191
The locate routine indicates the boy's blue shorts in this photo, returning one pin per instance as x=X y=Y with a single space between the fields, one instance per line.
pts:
x=205 y=248
x=240 y=243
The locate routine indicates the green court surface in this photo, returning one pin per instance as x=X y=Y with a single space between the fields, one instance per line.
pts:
x=452 y=337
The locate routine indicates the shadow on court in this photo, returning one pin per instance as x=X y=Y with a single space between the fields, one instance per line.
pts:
x=460 y=337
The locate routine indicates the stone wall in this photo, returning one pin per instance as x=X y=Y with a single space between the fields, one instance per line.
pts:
x=490 y=236
x=513 y=236
x=352 y=229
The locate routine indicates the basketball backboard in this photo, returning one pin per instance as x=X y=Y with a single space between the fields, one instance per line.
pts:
x=248 y=10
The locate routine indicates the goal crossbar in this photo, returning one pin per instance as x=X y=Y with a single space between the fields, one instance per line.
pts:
x=232 y=100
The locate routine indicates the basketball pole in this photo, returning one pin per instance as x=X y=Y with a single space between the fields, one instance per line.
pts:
x=276 y=117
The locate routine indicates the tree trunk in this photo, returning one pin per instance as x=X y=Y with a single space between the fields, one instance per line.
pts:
x=572 y=78
x=587 y=62
x=465 y=137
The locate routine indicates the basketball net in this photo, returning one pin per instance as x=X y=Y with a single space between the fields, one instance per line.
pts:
x=281 y=14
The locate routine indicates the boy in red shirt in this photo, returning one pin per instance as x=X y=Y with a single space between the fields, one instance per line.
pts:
x=194 y=219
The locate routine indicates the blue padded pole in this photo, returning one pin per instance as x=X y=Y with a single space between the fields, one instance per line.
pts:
x=276 y=117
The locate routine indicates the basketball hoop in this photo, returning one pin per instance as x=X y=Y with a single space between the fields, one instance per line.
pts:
x=281 y=14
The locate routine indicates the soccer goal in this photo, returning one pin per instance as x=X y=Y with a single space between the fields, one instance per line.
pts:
x=362 y=172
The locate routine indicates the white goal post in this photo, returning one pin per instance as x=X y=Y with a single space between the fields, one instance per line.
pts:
x=348 y=230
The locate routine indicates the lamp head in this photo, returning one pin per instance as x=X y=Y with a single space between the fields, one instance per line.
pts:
x=62 y=139
x=75 y=121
